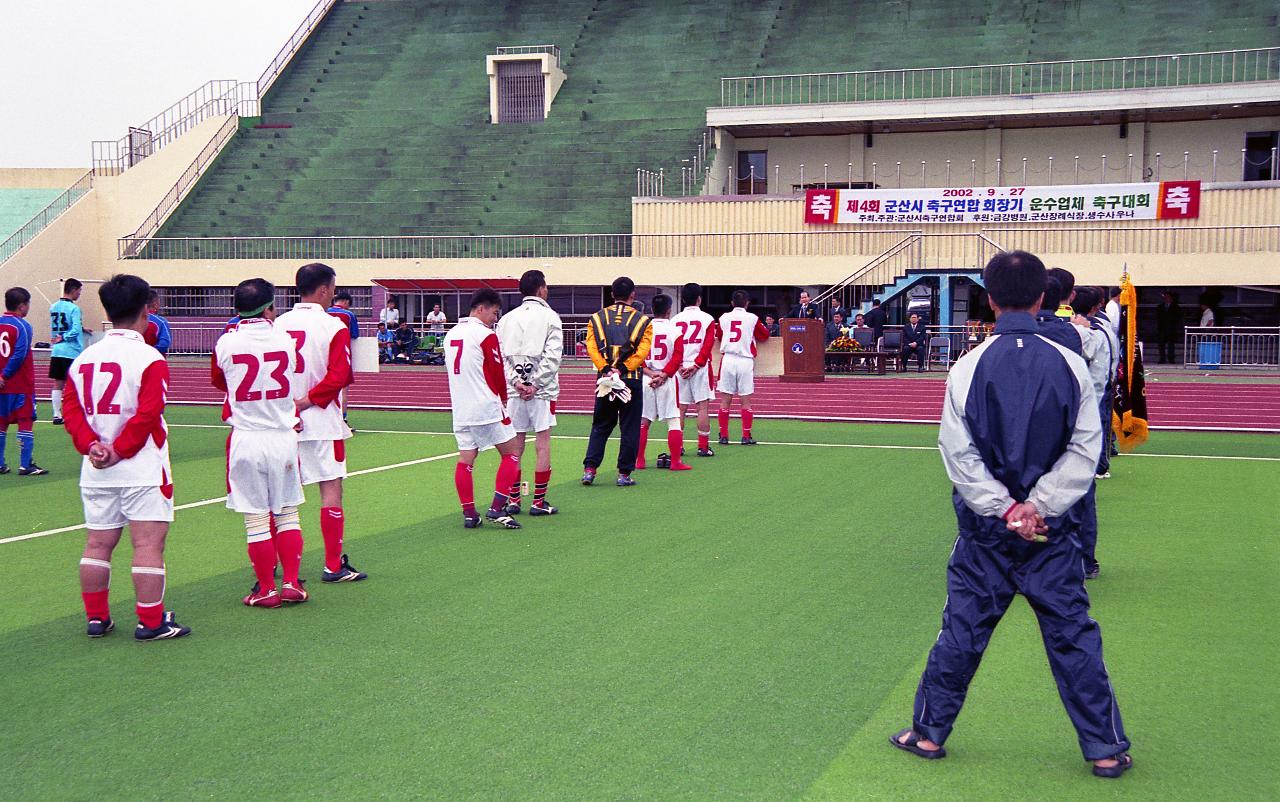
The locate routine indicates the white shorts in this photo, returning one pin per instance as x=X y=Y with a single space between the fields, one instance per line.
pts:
x=696 y=388
x=113 y=507
x=660 y=404
x=737 y=375
x=322 y=460
x=262 y=471
x=483 y=436
x=534 y=415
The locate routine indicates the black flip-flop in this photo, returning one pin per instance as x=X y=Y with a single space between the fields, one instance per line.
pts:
x=911 y=745
x=1111 y=772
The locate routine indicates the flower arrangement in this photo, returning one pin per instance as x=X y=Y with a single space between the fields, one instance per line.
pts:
x=844 y=345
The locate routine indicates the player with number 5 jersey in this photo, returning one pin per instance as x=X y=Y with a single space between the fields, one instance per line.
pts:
x=322 y=368
x=254 y=364
x=740 y=330
x=114 y=409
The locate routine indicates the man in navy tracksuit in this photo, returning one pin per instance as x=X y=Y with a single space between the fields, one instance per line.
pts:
x=1019 y=438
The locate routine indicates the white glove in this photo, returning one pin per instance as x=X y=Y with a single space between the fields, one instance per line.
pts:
x=612 y=386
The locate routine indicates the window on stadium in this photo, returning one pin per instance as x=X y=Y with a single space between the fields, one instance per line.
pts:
x=753 y=172
x=1260 y=154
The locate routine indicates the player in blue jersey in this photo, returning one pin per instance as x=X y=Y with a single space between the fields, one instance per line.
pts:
x=157 y=335
x=18 y=380
x=68 y=340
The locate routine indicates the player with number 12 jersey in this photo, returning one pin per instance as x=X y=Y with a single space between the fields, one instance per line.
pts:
x=254 y=364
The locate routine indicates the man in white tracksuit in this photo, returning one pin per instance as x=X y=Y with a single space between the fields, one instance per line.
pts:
x=532 y=344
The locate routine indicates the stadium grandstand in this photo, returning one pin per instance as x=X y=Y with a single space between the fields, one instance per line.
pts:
x=426 y=148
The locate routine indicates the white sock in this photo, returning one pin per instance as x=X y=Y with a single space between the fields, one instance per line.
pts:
x=56 y=398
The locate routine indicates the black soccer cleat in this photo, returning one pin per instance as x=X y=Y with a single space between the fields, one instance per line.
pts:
x=542 y=508
x=98 y=627
x=663 y=461
x=748 y=441
x=625 y=480
x=706 y=452
x=168 y=630
x=345 y=573
x=56 y=421
x=501 y=519
x=511 y=509
x=34 y=470
x=724 y=441
x=471 y=521
x=4 y=469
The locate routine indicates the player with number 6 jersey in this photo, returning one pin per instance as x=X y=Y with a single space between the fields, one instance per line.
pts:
x=740 y=330
x=322 y=368
x=254 y=364
x=114 y=409
x=698 y=332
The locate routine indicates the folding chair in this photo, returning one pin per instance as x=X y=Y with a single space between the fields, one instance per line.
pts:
x=939 y=352
x=891 y=343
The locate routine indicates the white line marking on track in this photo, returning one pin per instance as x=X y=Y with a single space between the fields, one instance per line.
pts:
x=208 y=501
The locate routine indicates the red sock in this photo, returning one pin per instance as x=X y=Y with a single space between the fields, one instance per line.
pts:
x=331 y=531
x=704 y=440
x=289 y=547
x=644 y=441
x=262 y=556
x=747 y=418
x=724 y=422
x=151 y=615
x=514 y=495
x=540 y=481
x=508 y=469
x=466 y=490
x=95 y=605
x=675 y=442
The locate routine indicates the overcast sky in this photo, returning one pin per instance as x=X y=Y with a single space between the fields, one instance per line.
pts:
x=72 y=71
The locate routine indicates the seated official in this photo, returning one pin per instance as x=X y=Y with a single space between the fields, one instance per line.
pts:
x=834 y=328
x=771 y=323
x=406 y=340
x=915 y=342
x=386 y=341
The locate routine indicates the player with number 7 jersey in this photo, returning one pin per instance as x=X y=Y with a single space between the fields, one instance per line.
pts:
x=322 y=368
x=254 y=364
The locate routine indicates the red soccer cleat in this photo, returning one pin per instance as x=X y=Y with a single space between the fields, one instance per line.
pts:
x=680 y=466
x=259 y=599
x=290 y=594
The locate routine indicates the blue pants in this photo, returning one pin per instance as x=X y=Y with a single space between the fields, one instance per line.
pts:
x=983 y=575
x=1089 y=526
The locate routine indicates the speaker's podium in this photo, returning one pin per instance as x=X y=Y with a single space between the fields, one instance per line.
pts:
x=804 y=346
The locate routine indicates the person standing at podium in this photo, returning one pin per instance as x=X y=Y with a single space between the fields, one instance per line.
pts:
x=805 y=308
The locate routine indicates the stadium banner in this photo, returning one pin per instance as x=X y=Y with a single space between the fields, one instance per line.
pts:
x=1166 y=200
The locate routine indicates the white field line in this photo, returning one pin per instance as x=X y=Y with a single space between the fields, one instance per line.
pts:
x=208 y=501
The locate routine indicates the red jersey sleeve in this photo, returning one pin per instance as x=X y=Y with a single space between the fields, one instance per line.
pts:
x=677 y=357
x=762 y=332
x=704 y=355
x=82 y=434
x=146 y=422
x=494 y=375
x=216 y=376
x=339 y=374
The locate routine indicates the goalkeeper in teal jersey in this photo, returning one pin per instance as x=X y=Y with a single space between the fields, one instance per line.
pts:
x=68 y=340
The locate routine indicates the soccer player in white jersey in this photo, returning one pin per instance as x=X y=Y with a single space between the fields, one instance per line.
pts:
x=740 y=330
x=532 y=344
x=478 y=397
x=114 y=412
x=322 y=350
x=666 y=355
x=253 y=363
x=698 y=334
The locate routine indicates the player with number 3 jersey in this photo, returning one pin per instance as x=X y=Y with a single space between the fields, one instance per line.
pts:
x=740 y=330
x=114 y=409
x=254 y=364
x=322 y=368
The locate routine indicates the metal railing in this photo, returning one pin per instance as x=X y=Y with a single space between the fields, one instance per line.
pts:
x=521 y=50
x=694 y=171
x=407 y=247
x=185 y=182
x=1072 y=168
x=1231 y=347
x=41 y=220
x=213 y=99
x=918 y=251
x=989 y=80
x=1119 y=240
x=291 y=47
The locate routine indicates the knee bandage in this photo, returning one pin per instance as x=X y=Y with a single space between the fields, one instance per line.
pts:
x=287 y=520
x=257 y=525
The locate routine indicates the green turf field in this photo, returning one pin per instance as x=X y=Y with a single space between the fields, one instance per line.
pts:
x=753 y=629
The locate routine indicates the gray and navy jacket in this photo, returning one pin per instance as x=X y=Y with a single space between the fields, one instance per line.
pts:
x=1020 y=423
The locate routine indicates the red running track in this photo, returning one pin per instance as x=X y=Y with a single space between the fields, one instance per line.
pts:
x=1172 y=405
